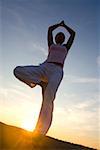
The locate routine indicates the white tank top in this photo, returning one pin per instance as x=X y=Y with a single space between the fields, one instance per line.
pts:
x=57 y=53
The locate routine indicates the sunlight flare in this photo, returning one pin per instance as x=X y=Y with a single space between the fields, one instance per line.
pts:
x=28 y=125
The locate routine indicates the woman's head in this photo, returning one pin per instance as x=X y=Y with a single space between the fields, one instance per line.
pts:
x=59 y=38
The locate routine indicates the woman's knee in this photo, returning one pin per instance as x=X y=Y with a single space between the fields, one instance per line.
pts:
x=17 y=70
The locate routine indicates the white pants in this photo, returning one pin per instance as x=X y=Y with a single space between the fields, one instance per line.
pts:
x=48 y=76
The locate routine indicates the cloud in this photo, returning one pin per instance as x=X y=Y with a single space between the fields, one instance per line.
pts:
x=77 y=79
x=80 y=117
x=11 y=95
x=19 y=103
x=40 y=48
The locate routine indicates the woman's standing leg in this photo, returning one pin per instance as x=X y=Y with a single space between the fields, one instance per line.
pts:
x=46 y=113
x=43 y=86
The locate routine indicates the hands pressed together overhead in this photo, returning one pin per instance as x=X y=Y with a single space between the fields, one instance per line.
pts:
x=62 y=23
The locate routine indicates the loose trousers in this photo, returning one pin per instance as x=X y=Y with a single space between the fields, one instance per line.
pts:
x=48 y=76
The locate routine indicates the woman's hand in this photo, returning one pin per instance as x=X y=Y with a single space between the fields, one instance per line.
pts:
x=62 y=23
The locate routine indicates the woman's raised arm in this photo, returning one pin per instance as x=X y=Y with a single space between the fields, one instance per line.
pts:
x=72 y=35
x=50 y=35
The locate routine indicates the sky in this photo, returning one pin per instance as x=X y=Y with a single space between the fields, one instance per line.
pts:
x=23 y=41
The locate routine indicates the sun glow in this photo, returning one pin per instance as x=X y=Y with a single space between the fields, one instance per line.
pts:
x=28 y=125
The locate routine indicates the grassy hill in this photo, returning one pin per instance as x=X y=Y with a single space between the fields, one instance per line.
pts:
x=13 y=138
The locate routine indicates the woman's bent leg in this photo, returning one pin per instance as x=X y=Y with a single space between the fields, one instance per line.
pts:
x=28 y=74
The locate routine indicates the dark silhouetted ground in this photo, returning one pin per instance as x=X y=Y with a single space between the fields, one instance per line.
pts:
x=13 y=138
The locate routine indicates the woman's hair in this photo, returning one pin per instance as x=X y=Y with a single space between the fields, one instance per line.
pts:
x=60 y=38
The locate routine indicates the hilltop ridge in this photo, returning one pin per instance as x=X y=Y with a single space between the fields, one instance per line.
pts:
x=14 y=138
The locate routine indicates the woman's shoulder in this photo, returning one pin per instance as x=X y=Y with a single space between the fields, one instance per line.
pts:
x=57 y=45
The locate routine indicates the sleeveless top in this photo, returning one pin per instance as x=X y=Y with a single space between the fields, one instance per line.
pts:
x=57 y=54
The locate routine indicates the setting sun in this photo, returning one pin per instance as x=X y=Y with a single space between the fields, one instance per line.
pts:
x=27 y=125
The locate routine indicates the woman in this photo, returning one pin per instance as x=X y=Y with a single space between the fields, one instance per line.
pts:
x=48 y=75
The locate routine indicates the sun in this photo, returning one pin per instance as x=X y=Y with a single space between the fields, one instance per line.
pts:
x=27 y=125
